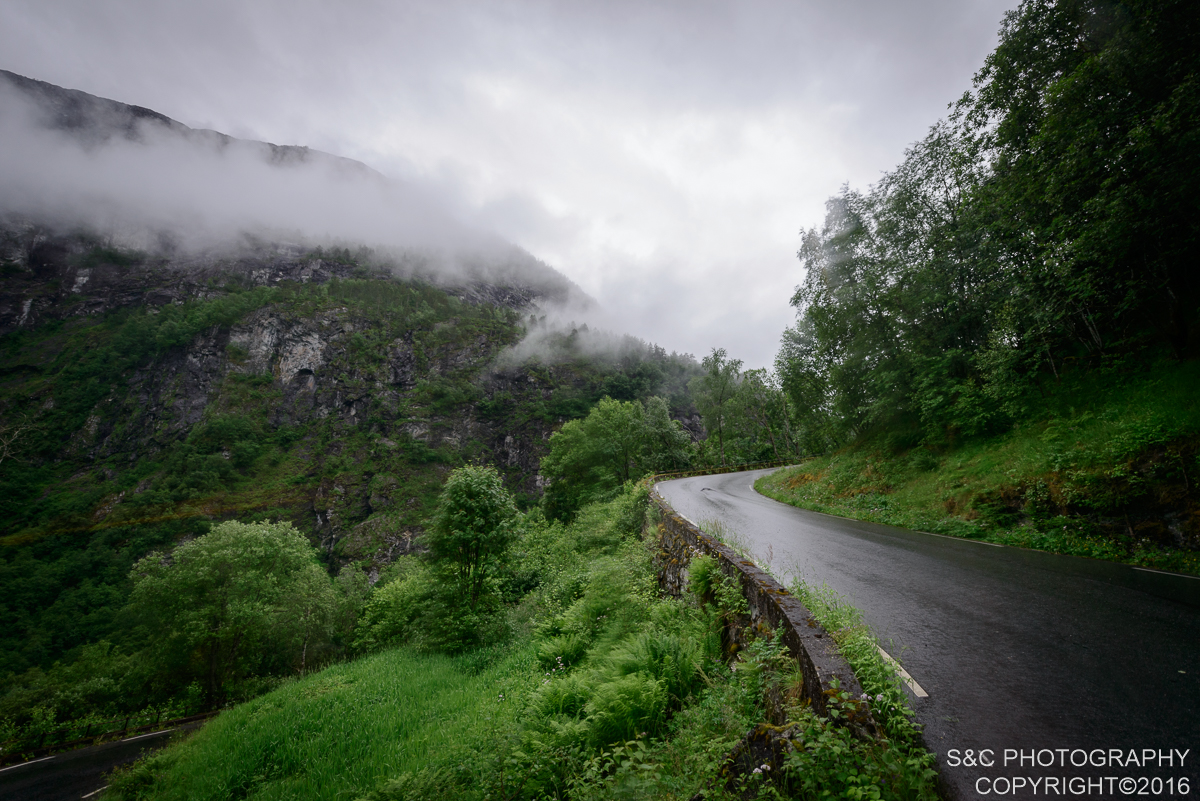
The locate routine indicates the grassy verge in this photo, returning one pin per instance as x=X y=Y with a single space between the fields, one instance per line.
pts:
x=604 y=690
x=1108 y=472
x=338 y=733
x=599 y=677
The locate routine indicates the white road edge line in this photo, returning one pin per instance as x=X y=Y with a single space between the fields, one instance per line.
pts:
x=140 y=736
x=93 y=792
x=23 y=764
x=907 y=679
x=1165 y=573
x=960 y=539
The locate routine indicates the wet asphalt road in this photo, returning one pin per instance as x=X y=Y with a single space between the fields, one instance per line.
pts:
x=78 y=774
x=1017 y=649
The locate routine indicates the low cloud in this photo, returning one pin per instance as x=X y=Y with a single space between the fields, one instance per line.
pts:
x=663 y=155
x=206 y=189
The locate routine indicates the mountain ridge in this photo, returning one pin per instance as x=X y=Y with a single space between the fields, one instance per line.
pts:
x=469 y=262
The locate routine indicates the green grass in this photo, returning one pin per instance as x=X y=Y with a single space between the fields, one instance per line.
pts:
x=1108 y=471
x=860 y=647
x=339 y=733
x=411 y=724
x=604 y=691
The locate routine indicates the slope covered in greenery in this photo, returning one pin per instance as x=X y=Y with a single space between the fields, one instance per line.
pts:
x=339 y=406
x=604 y=690
x=1016 y=306
x=1107 y=470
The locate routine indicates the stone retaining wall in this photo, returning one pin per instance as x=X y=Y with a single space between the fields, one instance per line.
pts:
x=770 y=604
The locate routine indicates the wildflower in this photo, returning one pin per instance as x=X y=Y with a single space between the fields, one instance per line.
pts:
x=757 y=771
x=766 y=767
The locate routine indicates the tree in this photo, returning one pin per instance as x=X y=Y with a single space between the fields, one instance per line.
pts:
x=1091 y=108
x=761 y=408
x=618 y=441
x=242 y=600
x=713 y=391
x=1051 y=218
x=665 y=444
x=10 y=435
x=472 y=528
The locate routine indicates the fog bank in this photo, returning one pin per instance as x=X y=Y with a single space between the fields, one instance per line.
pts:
x=143 y=181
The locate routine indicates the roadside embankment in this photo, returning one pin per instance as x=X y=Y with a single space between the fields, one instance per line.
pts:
x=1107 y=472
x=768 y=605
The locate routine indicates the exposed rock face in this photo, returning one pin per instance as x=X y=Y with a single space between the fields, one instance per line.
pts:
x=51 y=276
x=305 y=362
x=371 y=402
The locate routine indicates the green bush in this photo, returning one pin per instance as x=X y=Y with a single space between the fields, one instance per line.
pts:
x=244 y=600
x=472 y=528
x=393 y=609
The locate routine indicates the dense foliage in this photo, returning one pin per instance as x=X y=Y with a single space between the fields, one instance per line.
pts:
x=603 y=690
x=471 y=529
x=1048 y=224
x=240 y=601
x=746 y=412
x=103 y=459
x=746 y=415
x=1104 y=474
x=619 y=441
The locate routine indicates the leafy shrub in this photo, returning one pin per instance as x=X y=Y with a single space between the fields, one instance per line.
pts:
x=472 y=528
x=392 y=610
x=622 y=706
x=239 y=602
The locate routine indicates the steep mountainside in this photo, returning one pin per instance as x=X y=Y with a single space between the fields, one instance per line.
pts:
x=333 y=394
x=148 y=392
x=95 y=121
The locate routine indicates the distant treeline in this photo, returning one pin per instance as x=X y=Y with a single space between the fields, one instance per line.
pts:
x=1049 y=223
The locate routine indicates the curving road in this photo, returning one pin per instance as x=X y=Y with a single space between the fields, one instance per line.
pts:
x=1017 y=649
x=82 y=773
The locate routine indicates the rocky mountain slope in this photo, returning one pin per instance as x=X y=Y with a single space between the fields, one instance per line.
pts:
x=147 y=392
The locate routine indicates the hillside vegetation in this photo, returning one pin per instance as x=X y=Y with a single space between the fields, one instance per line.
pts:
x=391 y=527
x=603 y=690
x=338 y=406
x=1109 y=479
x=1004 y=328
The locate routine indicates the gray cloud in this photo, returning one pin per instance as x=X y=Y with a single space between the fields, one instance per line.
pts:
x=663 y=155
x=205 y=190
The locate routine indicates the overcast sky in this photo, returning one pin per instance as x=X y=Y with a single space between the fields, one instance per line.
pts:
x=663 y=155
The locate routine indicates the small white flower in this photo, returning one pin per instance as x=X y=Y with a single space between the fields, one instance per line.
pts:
x=757 y=771
x=766 y=767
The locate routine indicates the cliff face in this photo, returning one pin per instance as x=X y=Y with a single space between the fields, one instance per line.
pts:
x=347 y=392
x=325 y=361
x=150 y=386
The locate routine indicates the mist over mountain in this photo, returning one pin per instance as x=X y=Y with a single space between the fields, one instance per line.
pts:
x=190 y=199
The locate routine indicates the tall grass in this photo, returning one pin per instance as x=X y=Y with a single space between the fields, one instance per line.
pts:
x=607 y=691
x=337 y=734
x=1098 y=474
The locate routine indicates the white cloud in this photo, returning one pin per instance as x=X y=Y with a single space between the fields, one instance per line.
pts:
x=664 y=155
